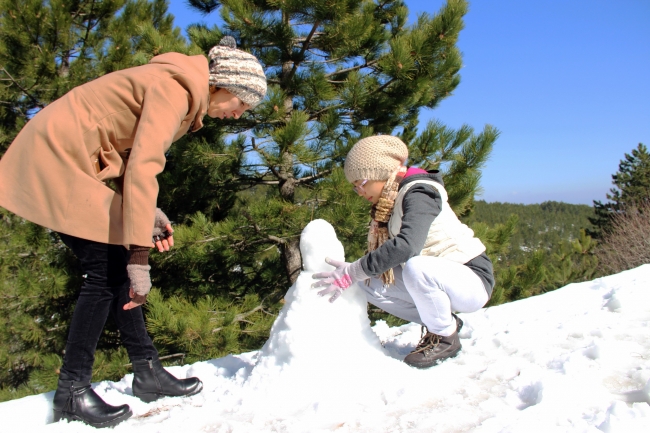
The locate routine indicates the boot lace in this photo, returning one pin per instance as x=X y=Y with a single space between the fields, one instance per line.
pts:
x=427 y=342
x=71 y=402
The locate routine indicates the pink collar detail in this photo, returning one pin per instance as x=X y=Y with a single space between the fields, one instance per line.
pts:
x=414 y=170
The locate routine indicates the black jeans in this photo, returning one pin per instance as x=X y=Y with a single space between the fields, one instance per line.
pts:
x=105 y=291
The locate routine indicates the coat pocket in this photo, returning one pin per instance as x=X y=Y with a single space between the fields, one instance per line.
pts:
x=106 y=160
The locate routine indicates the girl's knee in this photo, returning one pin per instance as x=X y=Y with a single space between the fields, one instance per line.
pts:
x=416 y=270
x=416 y=266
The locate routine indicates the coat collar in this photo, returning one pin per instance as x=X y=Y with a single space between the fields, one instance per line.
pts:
x=195 y=78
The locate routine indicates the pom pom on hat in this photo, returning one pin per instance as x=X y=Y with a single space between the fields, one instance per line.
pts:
x=375 y=158
x=228 y=41
x=237 y=71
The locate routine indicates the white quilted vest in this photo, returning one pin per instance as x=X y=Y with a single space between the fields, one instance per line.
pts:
x=448 y=237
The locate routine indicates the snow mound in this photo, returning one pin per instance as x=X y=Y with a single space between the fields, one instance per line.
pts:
x=573 y=360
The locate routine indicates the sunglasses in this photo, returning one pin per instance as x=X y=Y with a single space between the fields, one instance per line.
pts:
x=359 y=188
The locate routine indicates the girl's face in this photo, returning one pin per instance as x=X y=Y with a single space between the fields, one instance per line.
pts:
x=369 y=189
x=224 y=104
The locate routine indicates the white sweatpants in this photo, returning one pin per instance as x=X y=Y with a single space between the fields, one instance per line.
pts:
x=427 y=290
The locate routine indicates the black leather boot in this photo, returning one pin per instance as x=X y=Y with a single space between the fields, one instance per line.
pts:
x=77 y=401
x=151 y=382
x=433 y=349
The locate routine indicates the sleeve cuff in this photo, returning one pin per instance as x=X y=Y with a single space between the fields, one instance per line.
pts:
x=356 y=271
x=138 y=255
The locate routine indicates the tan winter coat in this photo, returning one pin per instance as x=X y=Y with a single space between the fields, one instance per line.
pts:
x=118 y=127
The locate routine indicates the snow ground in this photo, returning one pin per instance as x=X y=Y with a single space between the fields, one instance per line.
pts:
x=573 y=360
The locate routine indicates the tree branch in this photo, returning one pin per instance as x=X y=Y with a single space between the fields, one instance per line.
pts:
x=214 y=238
x=241 y=317
x=314 y=177
x=324 y=110
x=324 y=61
x=354 y=68
x=268 y=238
x=265 y=155
x=29 y=95
x=305 y=45
x=380 y=88
x=89 y=26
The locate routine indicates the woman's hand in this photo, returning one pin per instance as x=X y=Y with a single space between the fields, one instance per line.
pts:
x=162 y=237
x=136 y=300
x=140 y=284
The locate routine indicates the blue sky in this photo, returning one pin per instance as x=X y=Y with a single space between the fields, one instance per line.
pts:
x=567 y=82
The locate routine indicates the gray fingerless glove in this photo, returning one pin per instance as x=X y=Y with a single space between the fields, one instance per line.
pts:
x=140 y=279
x=160 y=226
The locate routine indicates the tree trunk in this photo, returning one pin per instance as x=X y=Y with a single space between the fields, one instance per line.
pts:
x=64 y=69
x=291 y=249
x=287 y=180
x=291 y=258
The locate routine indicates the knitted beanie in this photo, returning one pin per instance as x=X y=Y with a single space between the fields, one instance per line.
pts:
x=375 y=158
x=237 y=71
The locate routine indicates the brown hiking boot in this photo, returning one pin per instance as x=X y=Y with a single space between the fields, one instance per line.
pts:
x=459 y=322
x=433 y=349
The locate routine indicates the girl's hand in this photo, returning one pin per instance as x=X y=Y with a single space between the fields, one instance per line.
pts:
x=343 y=276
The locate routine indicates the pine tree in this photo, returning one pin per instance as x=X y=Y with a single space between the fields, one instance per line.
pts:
x=50 y=47
x=36 y=298
x=337 y=70
x=46 y=49
x=241 y=191
x=631 y=189
x=549 y=251
x=572 y=261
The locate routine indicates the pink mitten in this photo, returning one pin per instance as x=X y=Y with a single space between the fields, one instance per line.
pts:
x=340 y=278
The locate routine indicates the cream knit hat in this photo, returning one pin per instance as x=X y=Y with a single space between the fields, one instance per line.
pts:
x=237 y=71
x=375 y=158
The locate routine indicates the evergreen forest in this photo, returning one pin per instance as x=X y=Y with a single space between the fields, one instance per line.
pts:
x=240 y=191
x=540 y=226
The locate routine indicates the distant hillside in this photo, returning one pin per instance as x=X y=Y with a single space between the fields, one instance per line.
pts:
x=540 y=225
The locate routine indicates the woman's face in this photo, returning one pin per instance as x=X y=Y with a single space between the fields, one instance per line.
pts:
x=369 y=189
x=224 y=104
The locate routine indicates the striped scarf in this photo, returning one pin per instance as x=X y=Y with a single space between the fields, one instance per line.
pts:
x=380 y=214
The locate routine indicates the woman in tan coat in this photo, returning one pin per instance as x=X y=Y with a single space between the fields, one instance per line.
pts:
x=55 y=173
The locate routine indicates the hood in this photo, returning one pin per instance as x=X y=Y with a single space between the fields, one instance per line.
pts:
x=194 y=76
x=433 y=175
